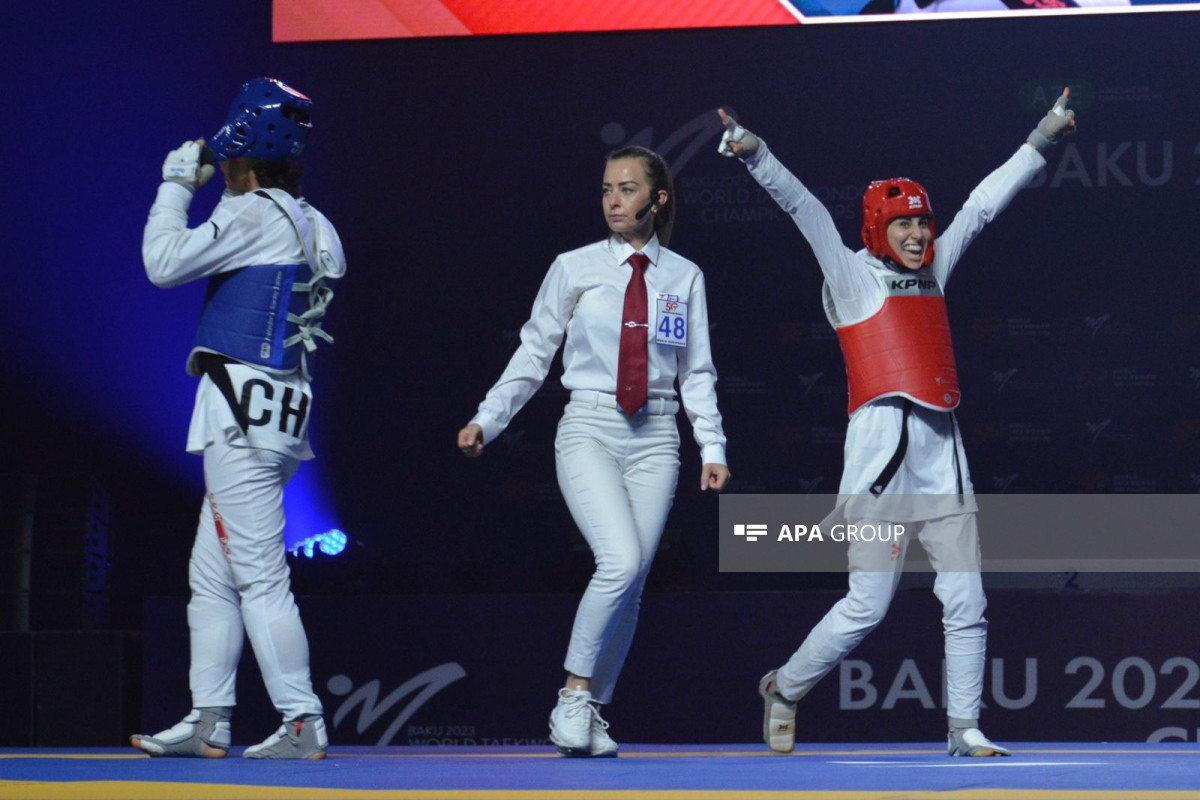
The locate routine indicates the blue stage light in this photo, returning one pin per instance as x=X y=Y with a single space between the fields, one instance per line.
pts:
x=331 y=543
x=308 y=506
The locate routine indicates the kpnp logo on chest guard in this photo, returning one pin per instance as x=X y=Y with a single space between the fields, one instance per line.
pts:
x=913 y=286
x=904 y=349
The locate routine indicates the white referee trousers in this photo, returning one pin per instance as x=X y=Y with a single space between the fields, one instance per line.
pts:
x=946 y=540
x=618 y=476
x=241 y=584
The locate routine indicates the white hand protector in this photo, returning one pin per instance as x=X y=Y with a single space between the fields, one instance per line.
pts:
x=1058 y=124
x=183 y=167
x=736 y=133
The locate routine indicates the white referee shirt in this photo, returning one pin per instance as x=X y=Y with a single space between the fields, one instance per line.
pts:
x=244 y=230
x=855 y=289
x=583 y=298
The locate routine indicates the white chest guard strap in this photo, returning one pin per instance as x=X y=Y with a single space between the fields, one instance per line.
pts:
x=322 y=264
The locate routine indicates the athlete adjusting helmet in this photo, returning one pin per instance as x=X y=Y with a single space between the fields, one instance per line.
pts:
x=268 y=120
x=883 y=202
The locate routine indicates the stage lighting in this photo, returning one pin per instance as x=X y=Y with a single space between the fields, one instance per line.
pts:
x=331 y=543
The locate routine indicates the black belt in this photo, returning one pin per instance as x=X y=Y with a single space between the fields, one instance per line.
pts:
x=214 y=366
x=893 y=466
x=957 y=466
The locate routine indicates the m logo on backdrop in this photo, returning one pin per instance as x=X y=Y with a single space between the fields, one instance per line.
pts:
x=370 y=708
x=1096 y=429
x=1001 y=379
x=1095 y=323
x=809 y=381
x=677 y=147
x=810 y=485
x=1000 y=483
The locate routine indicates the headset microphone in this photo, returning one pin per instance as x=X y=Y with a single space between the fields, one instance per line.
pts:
x=645 y=210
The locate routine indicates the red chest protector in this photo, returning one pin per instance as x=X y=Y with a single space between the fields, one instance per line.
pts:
x=904 y=349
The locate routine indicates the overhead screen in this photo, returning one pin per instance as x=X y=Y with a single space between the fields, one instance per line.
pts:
x=333 y=20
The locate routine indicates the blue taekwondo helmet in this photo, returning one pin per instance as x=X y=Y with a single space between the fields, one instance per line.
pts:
x=268 y=120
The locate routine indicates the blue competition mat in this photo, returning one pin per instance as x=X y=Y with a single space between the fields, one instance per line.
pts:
x=656 y=772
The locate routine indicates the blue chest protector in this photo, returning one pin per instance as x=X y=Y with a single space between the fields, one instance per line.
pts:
x=268 y=316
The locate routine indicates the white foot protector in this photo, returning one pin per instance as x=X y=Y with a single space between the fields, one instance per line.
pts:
x=201 y=734
x=779 y=716
x=972 y=742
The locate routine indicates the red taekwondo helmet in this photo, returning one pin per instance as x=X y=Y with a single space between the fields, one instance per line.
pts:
x=883 y=202
x=268 y=120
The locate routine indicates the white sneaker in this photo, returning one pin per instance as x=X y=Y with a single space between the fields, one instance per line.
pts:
x=603 y=745
x=201 y=734
x=571 y=723
x=300 y=738
x=972 y=742
x=779 y=716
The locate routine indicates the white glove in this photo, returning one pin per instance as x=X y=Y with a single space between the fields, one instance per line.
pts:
x=736 y=133
x=1058 y=124
x=183 y=167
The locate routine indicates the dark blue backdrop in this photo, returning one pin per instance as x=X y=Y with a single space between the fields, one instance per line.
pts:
x=455 y=169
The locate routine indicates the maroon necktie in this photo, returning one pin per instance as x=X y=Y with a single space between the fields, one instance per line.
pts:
x=632 y=359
